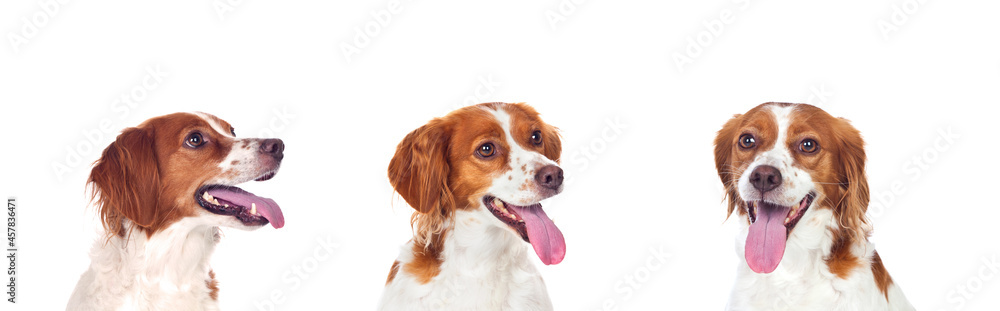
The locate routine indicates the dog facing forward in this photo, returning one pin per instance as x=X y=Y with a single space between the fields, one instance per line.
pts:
x=796 y=178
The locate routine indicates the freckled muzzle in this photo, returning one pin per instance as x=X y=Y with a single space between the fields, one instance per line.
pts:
x=248 y=208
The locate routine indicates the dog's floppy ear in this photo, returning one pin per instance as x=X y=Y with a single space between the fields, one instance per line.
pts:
x=854 y=184
x=126 y=181
x=552 y=146
x=724 y=142
x=419 y=169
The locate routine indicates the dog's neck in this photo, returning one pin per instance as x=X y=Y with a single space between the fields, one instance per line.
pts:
x=476 y=237
x=476 y=248
x=176 y=255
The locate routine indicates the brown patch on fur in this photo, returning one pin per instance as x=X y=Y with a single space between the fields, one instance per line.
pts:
x=234 y=162
x=525 y=121
x=841 y=260
x=148 y=175
x=731 y=160
x=426 y=262
x=437 y=170
x=838 y=168
x=213 y=285
x=882 y=278
x=392 y=272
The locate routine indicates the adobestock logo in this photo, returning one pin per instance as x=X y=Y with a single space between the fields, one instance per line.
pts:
x=967 y=290
x=224 y=7
x=31 y=26
x=631 y=283
x=818 y=96
x=95 y=138
x=279 y=122
x=899 y=16
x=714 y=29
x=298 y=273
x=590 y=152
x=481 y=93
x=364 y=34
x=915 y=167
x=563 y=10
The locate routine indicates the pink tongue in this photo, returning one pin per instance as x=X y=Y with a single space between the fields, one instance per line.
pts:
x=766 y=239
x=265 y=207
x=542 y=233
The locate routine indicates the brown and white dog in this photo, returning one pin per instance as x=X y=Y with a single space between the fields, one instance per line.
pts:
x=796 y=178
x=475 y=178
x=162 y=190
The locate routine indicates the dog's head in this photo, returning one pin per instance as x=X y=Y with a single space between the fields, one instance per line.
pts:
x=497 y=159
x=184 y=165
x=780 y=163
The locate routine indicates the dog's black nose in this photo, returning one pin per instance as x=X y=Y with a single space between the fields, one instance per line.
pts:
x=550 y=176
x=765 y=178
x=273 y=147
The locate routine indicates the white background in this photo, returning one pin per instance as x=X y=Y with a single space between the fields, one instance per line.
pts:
x=649 y=182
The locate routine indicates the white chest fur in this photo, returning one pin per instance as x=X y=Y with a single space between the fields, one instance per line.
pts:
x=167 y=271
x=803 y=281
x=484 y=267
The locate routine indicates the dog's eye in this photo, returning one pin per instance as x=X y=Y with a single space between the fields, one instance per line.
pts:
x=536 y=138
x=747 y=141
x=809 y=146
x=486 y=150
x=194 y=140
x=232 y=130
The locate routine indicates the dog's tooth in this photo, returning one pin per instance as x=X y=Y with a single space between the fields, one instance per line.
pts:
x=226 y=205
x=207 y=197
x=214 y=201
x=253 y=208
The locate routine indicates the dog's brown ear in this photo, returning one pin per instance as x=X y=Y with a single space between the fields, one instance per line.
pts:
x=552 y=146
x=853 y=181
x=125 y=181
x=419 y=169
x=725 y=140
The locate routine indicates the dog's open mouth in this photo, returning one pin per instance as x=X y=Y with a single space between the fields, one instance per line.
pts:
x=770 y=225
x=533 y=225
x=248 y=208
